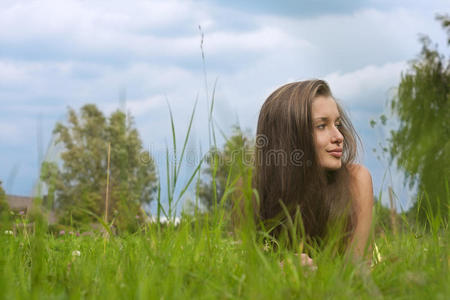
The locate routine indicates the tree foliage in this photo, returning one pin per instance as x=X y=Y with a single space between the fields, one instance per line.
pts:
x=5 y=216
x=224 y=168
x=2 y=193
x=4 y=207
x=80 y=182
x=421 y=145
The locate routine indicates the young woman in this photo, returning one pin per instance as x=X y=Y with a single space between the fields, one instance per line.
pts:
x=305 y=161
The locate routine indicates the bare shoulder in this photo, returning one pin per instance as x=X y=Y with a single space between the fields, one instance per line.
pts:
x=358 y=170
x=360 y=174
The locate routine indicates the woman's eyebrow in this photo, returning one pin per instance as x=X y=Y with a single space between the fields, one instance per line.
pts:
x=326 y=118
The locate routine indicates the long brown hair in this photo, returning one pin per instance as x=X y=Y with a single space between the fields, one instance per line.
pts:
x=287 y=171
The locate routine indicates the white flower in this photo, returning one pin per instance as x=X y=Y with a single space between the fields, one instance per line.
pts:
x=76 y=253
x=8 y=232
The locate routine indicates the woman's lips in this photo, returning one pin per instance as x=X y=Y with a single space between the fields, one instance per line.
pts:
x=337 y=154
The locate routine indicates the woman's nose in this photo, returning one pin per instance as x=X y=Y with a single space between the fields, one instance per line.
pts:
x=337 y=136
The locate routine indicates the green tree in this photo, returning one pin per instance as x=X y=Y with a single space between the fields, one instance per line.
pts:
x=224 y=168
x=4 y=207
x=421 y=145
x=2 y=193
x=80 y=182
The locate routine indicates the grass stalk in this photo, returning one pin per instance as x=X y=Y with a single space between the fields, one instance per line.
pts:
x=108 y=171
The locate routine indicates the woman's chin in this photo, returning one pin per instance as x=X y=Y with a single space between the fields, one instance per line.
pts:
x=332 y=166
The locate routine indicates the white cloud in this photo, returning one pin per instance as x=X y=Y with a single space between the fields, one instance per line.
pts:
x=55 y=17
x=347 y=42
x=10 y=133
x=264 y=38
x=11 y=74
x=138 y=107
x=78 y=30
x=353 y=87
x=87 y=27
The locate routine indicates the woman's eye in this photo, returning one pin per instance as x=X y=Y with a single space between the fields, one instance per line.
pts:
x=322 y=126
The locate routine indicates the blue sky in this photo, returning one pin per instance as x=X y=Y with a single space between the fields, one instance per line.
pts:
x=55 y=54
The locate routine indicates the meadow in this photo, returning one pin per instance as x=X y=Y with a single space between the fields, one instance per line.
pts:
x=201 y=259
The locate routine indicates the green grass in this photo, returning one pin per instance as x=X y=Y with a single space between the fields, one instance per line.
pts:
x=207 y=262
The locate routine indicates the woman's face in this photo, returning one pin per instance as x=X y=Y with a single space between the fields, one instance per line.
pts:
x=328 y=139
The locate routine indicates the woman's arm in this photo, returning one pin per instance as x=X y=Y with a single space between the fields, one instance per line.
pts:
x=362 y=192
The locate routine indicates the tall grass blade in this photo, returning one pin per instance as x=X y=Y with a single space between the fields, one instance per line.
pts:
x=169 y=190
x=174 y=141
x=108 y=171
x=210 y=118
x=197 y=169
x=187 y=135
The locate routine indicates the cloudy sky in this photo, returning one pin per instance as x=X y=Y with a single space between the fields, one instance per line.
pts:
x=55 y=54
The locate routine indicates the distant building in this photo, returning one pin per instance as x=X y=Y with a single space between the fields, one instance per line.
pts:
x=23 y=204
x=19 y=203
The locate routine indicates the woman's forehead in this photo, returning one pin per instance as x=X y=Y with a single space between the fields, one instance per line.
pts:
x=324 y=107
